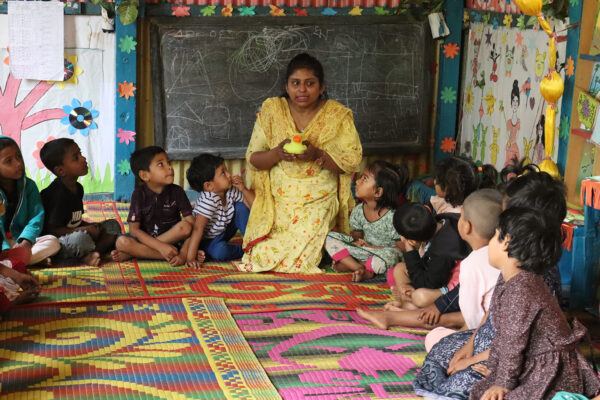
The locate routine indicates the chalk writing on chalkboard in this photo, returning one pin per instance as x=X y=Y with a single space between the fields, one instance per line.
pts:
x=210 y=77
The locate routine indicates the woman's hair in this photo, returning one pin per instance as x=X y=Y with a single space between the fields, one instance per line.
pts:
x=516 y=168
x=459 y=177
x=415 y=222
x=534 y=238
x=515 y=92
x=538 y=191
x=393 y=181
x=5 y=142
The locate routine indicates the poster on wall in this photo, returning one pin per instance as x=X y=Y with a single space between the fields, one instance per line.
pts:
x=502 y=108
x=80 y=107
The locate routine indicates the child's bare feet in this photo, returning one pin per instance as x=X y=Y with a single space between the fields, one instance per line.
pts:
x=377 y=318
x=393 y=306
x=361 y=274
x=27 y=295
x=92 y=259
x=119 y=255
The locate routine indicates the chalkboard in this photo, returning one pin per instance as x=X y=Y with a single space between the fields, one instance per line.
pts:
x=210 y=76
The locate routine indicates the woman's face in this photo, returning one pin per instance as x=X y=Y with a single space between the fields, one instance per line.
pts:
x=304 y=88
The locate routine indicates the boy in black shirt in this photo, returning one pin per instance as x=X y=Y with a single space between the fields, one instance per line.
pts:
x=63 y=204
x=156 y=228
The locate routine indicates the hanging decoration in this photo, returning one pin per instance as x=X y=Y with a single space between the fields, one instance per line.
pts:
x=551 y=86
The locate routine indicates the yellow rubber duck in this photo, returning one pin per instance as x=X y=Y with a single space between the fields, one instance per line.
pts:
x=295 y=146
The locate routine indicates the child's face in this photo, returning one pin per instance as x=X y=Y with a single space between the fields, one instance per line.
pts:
x=222 y=180
x=11 y=163
x=365 y=186
x=160 y=171
x=74 y=163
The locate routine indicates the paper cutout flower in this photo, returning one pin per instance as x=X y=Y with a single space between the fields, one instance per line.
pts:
x=126 y=90
x=276 y=11
x=127 y=44
x=465 y=16
x=486 y=18
x=126 y=136
x=490 y=102
x=36 y=153
x=381 y=11
x=521 y=22
x=448 y=145
x=300 y=12
x=495 y=23
x=7 y=59
x=227 y=11
x=563 y=128
x=208 y=10
x=356 y=11
x=123 y=167
x=469 y=98
x=451 y=50
x=519 y=39
x=180 y=11
x=476 y=16
x=448 y=95
x=246 y=11
x=71 y=72
x=80 y=117
x=507 y=21
x=570 y=67
x=328 y=11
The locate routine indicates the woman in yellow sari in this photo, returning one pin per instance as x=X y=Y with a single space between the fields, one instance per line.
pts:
x=299 y=198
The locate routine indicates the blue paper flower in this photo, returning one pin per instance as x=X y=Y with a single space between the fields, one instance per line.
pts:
x=80 y=117
x=328 y=11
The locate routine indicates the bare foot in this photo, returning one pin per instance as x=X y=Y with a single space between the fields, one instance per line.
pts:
x=92 y=259
x=118 y=256
x=201 y=256
x=396 y=294
x=106 y=258
x=27 y=295
x=178 y=260
x=377 y=318
x=361 y=274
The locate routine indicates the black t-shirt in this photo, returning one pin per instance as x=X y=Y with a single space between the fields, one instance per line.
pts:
x=62 y=207
x=158 y=212
x=12 y=198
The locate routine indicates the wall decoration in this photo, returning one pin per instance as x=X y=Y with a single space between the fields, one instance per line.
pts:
x=595 y=45
x=502 y=108
x=81 y=108
x=587 y=107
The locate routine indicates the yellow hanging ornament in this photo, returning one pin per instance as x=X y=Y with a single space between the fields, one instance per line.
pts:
x=549 y=130
x=550 y=167
x=530 y=7
x=552 y=87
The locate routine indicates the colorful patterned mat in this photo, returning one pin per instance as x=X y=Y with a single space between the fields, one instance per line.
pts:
x=331 y=354
x=177 y=348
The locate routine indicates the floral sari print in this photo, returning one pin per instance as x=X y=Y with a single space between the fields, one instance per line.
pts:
x=298 y=203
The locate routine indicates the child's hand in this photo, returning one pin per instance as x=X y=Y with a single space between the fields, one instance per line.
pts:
x=482 y=369
x=238 y=182
x=168 y=251
x=430 y=315
x=494 y=393
x=360 y=243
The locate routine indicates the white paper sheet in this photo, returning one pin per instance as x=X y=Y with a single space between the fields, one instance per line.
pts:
x=36 y=39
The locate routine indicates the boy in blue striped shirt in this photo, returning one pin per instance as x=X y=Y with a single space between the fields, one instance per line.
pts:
x=222 y=208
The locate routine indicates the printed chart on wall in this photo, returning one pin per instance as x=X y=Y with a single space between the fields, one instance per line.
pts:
x=81 y=107
x=502 y=108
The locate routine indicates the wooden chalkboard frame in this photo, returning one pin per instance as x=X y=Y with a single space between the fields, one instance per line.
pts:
x=160 y=24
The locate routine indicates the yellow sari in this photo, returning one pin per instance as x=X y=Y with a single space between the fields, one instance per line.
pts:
x=298 y=203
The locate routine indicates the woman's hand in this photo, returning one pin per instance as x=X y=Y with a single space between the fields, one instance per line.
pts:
x=311 y=153
x=282 y=154
x=494 y=393
x=464 y=352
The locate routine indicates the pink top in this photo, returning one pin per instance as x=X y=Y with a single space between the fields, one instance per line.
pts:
x=477 y=281
x=441 y=206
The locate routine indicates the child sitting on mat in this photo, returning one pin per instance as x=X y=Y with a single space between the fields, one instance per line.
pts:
x=63 y=203
x=156 y=228
x=223 y=207
x=370 y=247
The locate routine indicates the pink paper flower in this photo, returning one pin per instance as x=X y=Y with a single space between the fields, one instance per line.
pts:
x=36 y=152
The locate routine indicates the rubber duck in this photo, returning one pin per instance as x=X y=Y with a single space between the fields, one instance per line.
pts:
x=295 y=146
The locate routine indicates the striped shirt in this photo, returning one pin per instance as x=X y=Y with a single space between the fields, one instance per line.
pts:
x=209 y=204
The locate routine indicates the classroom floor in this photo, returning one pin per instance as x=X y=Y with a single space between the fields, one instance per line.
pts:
x=145 y=330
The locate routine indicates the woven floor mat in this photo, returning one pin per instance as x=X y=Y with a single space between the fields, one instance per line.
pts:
x=331 y=354
x=165 y=348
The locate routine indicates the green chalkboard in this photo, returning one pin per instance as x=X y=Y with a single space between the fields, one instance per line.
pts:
x=210 y=76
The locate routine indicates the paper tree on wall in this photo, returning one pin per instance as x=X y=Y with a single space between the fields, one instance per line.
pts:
x=15 y=118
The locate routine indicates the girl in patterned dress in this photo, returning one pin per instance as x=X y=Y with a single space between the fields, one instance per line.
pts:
x=370 y=248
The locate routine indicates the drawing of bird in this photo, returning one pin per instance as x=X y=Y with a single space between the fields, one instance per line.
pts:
x=526 y=88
